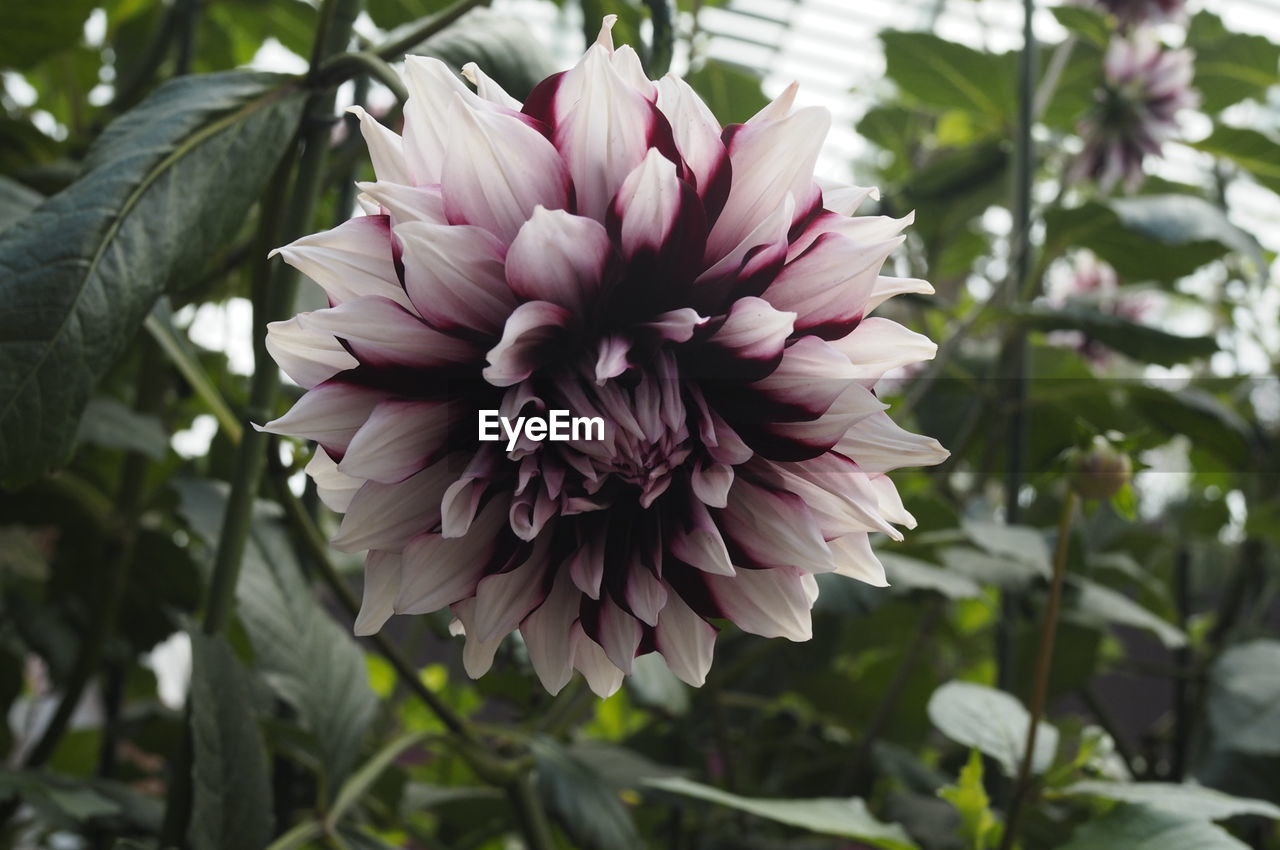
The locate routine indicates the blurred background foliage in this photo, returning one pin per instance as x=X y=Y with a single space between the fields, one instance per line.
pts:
x=135 y=177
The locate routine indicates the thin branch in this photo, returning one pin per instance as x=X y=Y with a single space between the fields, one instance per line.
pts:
x=1044 y=663
x=414 y=34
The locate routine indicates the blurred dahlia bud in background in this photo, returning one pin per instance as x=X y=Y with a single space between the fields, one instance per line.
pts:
x=606 y=249
x=1136 y=109
x=1133 y=13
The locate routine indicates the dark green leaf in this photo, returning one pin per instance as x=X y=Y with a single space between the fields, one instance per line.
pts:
x=1254 y=152
x=162 y=186
x=990 y=721
x=988 y=568
x=232 y=791
x=586 y=807
x=390 y=14
x=1143 y=343
x=1188 y=801
x=310 y=661
x=1244 y=698
x=30 y=31
x=110 y=424
x=944 y=74
x=1019 y=542
x=732 y=92
x=847 y=817
x=501 y=45
x=16 y=201
x=1200 y=416
x=1140 y=828
x=1149 y=237
x=58 y=797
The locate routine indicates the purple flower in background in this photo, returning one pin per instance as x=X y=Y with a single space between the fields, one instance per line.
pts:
x=1136 y=109
x=605 y=249
x=1131 y=13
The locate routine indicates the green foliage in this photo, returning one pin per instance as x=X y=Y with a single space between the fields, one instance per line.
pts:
x=160 y=187
x=1230 y=66
x=1139 y=828
x=733 y=93
x=232 y=798
x=942 y=74
x=970 y=799
x=1244 y=698
x=846 y=818
x=30 y=32
x=1255 y=152
x=992 y=722
x=500 y=44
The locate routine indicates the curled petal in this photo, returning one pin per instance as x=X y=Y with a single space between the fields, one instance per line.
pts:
x=619 y=635
x=350 y=261
x=307 y=357
x=526 y=338
x=488 y=89
x=381 y=582
x=854 y=558
x=386 y=149
x=504 y=599
x=330 y=414
x=686 y=641
x=406 y=203
x=388 y=516
x=335 y=489
x=769 y=603
x=454 y=276
x=547 y=634
x=767 y=527
x=697 y=134
x=699 y=543
x=439 y=571
x=879 y=345
x=398 y=439
x=559 y=257
x=381 y=333
x=602 y=676
x=497 y=170
x=828 y=287
x=762 y=178
x=888 y=287
x=878 y=444
x=648 y=205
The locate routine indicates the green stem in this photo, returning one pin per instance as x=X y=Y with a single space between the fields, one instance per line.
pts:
x=662 y=48
x=344 y=66
x=188 y=22
x=273 y=295
x=415 y=34
x=1044 y=664
x=160 y=325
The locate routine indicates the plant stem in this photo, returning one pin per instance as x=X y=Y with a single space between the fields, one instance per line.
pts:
x=188 y=22
x=344 y=66
x=661 y=14
x=419 y=32
x=273 y=295
x=1044 y=663
x=1014 y=351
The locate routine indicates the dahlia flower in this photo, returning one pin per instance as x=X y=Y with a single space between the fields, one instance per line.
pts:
x=607 y=249
x=1136 y=109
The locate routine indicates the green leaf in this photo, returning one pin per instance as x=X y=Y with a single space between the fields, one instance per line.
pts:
x=985 y=568
x=390 y=14
x=1207 y=422
x=970 y=799
x=108 y=423
x=56 y=796
x=232 y=791
x=1188 y=801
x=163 y=185
x=1256 y=153
x=944 y=74
x=1099 y=603
x=991 y=721
x=1140 y=828
x=1087 y=23
x=502 y=45
x=1244 y=698
x=911 y=574
x=1230 y=66
x=16 y=201
x=310 y=661
x=586 y=807
x=654 y=685
x=1149 y=237
x=846 y=817
x=1143 y=343
x=1019 y=542
x=30 y=31
x=731 y=91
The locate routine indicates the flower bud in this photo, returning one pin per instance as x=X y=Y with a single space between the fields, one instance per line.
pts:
x=1100 y=471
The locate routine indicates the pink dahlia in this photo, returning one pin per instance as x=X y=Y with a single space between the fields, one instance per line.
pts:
x=1145 y=86
x=605 y=249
